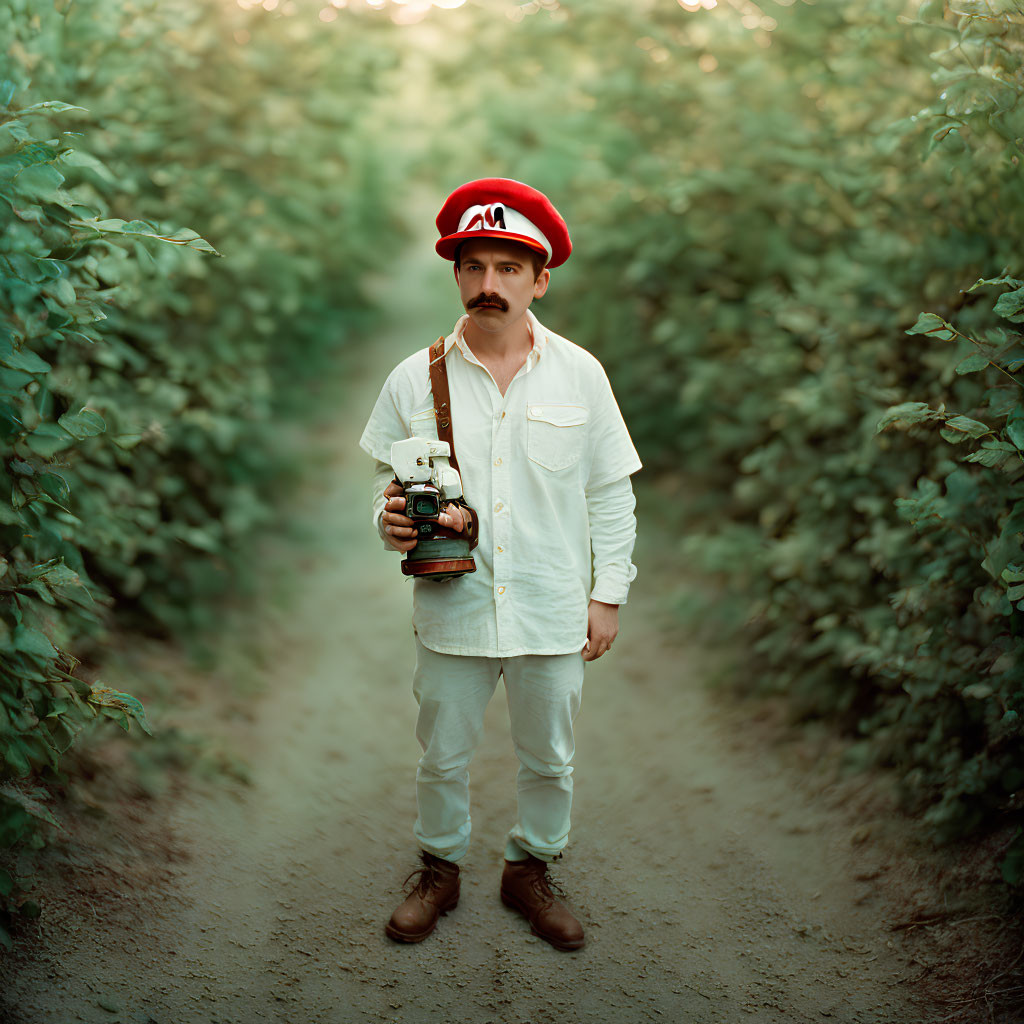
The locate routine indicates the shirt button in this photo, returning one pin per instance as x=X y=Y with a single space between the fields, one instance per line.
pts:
x=501 y=590
x=498 y=507
x=497 y=462
x=500 y=548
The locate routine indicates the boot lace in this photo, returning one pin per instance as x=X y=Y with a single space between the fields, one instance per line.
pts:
x=427 y=877
x=545 y=886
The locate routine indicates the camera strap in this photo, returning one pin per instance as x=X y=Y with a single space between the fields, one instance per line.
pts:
x=443 y=415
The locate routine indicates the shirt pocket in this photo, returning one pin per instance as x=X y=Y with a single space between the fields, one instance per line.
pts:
x=555 y=434
x=423 y=424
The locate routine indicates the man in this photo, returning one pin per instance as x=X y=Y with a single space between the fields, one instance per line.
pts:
x=545 y=460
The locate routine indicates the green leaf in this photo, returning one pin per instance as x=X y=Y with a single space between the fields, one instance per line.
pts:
x=968 y=427
x=14 y=754
x=103 y=696
x=1005 y=549
x=82 y=424
x=907 y=412
x=24 y=360
x=34 y=642
x=63 y=291
x=56 y=487
x=37 y=570
x=50 y=107
x=126 y=441
x=48 y=439
x=118 y=716
x=1015 y=428
x=186 y=236
x=16 y=130
x=1011 y=306
x=979 y=691
x=11 y=516
x=76 y=158
x=934 y=326
x=145 y=229
x=201 y=539
x=29 y=804
x=974 y=362
x=987 y=456
x=59 y=576
x=941 y=133
x=40 y=182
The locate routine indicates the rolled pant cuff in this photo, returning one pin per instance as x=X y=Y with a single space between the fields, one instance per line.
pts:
x=442 y=852
x=515 y=850
x=450 y=859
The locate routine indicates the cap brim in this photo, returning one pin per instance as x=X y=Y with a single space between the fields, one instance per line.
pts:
x=446 y=246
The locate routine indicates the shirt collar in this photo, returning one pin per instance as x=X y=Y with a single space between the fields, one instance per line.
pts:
x=538 y=333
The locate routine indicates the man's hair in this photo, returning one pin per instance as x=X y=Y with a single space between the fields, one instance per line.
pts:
x=537 y=259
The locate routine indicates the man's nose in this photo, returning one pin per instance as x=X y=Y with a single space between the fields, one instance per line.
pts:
x=490 y=279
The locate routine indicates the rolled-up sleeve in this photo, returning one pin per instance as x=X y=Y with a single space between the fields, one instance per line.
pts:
x=610 y=508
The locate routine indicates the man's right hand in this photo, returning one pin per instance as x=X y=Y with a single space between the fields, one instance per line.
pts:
x=401 y=534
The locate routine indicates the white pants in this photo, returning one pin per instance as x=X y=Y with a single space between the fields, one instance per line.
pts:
x=453 y=691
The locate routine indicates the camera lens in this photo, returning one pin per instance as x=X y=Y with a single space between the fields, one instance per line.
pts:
x=424 y=505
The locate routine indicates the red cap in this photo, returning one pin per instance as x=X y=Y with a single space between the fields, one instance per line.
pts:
x=503 y=208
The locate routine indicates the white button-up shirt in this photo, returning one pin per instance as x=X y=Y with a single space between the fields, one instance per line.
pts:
x=546 y=467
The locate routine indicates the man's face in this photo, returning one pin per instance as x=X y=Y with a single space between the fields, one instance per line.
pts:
x=496 y=282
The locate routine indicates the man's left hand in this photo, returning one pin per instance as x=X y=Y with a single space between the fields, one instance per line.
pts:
x=453 y=517
x=602 y=628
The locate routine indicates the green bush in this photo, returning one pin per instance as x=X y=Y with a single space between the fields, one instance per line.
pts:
x=144 y=382
x=761 y=208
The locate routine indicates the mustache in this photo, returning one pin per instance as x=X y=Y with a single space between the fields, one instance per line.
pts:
x=491 y=300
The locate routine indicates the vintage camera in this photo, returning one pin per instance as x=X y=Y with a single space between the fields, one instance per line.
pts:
x=421 y=467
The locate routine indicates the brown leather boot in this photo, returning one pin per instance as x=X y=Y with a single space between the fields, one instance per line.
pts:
x=525 y=887
x=435 y=892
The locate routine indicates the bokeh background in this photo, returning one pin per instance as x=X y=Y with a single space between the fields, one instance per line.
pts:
x=797 y=231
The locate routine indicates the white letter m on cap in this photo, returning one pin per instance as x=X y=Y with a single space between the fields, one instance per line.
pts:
x=483 y=217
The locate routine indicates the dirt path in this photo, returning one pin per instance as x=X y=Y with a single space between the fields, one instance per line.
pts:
x=714 y=885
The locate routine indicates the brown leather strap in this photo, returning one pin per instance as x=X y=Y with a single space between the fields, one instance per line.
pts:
x=443 y=416
x=442 y=397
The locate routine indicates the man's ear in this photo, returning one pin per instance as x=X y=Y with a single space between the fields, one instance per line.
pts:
x=540 y=286
x=455 y=267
